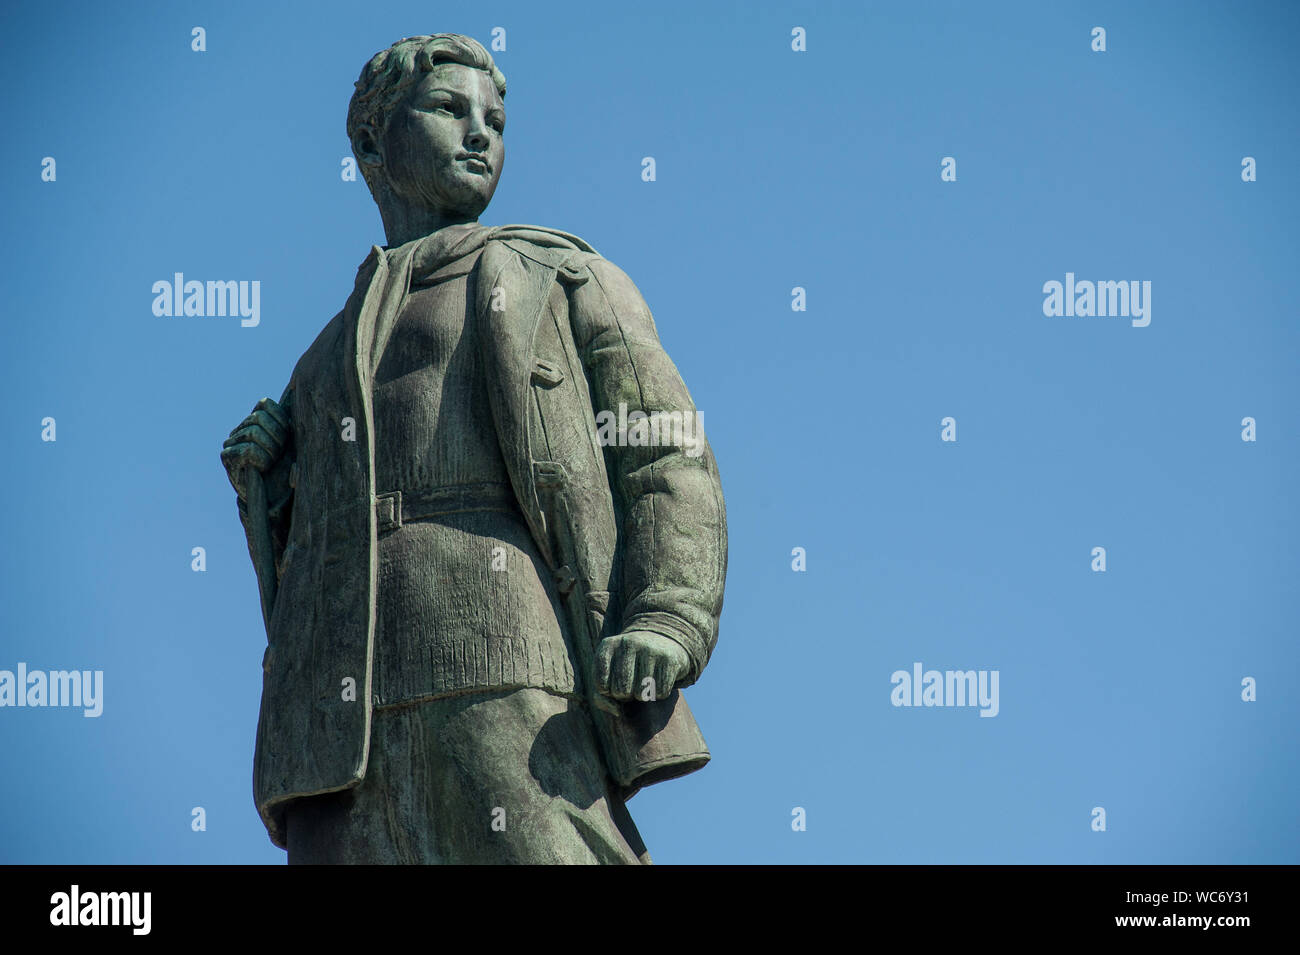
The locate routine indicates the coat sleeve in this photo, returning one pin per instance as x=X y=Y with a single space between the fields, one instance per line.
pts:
x=673 y=540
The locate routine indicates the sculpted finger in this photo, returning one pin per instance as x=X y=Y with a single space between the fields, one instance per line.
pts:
x=274 y=409
x=254 y=456
x=245 y=455
x=243 y=424
x=235 y=438
x=664 y=675
x=274 y=427
x=255 y=434
x=234 y=471
x=604 y=654
x=645 y=671
x=623 y=673
x=679 y=666
x=246 y=427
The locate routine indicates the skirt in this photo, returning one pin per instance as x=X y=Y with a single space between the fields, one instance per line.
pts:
x=504 y=777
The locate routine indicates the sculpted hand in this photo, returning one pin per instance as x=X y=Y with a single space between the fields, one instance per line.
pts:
x=257 y=442
x=625 y=664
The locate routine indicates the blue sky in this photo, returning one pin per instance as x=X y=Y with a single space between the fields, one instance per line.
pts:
x=775 y=169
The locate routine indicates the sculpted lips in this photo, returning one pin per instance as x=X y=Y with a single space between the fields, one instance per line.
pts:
x=476 y=162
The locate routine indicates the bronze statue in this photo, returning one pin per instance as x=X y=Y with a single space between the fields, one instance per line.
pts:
x=481 y=603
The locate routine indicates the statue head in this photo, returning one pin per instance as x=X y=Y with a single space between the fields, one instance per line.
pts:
x=426 y=125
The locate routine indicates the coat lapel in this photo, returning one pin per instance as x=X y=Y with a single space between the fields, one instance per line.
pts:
x=510 y=295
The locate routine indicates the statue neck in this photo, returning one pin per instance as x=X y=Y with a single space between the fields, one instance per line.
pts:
x=403 y=224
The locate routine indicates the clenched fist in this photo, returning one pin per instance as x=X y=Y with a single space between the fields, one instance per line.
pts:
x=258 y=442
x=639 y=665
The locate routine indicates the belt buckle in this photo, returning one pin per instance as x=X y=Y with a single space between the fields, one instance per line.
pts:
x=550 y=474
x=388 y=511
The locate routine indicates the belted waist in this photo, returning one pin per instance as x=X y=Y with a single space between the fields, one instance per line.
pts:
x=394 y=508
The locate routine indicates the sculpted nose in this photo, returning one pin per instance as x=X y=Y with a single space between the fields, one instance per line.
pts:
x=476 y=139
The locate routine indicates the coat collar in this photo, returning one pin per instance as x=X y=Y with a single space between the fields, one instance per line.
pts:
x=440 y=249
x=384 y=280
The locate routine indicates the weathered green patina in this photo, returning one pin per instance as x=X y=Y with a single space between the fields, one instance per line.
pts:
x=481 y=596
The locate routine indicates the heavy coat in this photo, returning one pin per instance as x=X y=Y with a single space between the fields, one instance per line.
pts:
x=637 y=534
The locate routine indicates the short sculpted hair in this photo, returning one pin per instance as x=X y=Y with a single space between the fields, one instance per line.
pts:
x=385 y=78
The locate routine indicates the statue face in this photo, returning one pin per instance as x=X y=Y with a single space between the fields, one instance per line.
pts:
x=443 y=147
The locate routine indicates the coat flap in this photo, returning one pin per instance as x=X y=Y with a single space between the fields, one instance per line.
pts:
x=511 y=294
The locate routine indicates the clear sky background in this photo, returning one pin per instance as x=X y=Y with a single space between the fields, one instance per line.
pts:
x=775 y=169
